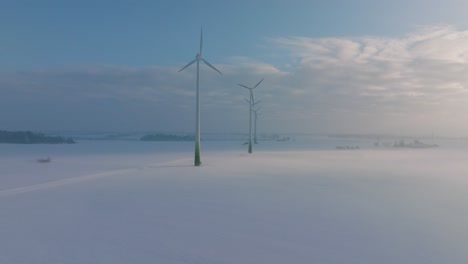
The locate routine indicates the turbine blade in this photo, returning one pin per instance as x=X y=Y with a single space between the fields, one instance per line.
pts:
x=211 y=66
x=247 y=101
x=244 y=86
x=190 y=63
x=256 y=102
x=258 y=83
x=201 y=40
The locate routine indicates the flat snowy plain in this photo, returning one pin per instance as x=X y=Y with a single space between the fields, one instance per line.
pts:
x=288 y=202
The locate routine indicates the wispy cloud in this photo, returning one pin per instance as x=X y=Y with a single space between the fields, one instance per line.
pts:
x=423 y=73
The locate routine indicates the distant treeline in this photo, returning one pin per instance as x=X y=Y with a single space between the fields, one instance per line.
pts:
x=166 y=137
x=28 y=137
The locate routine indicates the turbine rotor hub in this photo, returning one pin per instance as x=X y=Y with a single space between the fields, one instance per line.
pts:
x=198 y=56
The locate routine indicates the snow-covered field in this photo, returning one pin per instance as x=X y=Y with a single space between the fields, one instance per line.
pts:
x=288 y=202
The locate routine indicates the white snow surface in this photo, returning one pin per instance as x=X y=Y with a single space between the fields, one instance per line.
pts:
x=288 y=202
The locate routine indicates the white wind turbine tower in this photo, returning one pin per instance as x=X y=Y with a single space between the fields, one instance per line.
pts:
x=197 y=59
x=251 y=104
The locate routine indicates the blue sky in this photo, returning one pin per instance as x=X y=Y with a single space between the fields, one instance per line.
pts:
x=38 y=34
x=63 y=58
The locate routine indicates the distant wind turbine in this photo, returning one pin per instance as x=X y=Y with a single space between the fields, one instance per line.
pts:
x=197 y=59
x=251 y=104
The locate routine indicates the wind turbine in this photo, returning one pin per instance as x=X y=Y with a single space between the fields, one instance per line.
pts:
x=197 y=59
x=251 y=104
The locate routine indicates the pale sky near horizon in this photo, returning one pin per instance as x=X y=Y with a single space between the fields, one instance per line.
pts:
x=329 y=66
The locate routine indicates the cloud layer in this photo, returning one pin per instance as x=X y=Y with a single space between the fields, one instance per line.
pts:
x=420 y=78
x=410 y=84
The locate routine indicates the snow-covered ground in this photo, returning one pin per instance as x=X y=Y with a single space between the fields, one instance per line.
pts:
x=288 y=202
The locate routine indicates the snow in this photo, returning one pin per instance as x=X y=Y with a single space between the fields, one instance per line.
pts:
x=144 y=202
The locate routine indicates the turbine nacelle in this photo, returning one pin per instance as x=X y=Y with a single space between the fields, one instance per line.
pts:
x=199 y=57
x=251 y=88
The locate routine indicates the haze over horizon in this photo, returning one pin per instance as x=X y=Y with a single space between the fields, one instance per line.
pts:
x=358 y=67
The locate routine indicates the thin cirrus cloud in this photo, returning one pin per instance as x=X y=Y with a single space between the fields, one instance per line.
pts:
x=409 y=84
